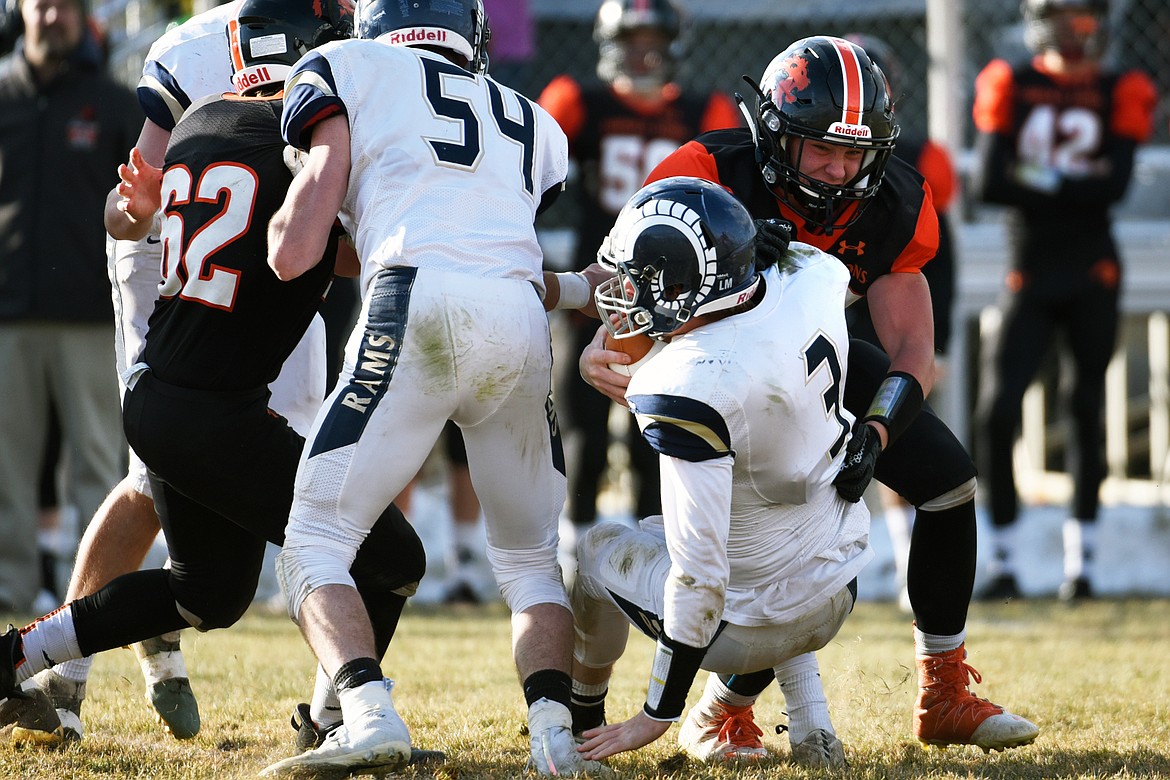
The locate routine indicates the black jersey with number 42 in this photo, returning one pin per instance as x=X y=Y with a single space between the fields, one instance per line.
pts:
x=223 y=320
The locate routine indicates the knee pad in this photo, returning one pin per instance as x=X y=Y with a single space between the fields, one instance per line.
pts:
x=301 y=570
x=211 y=608
x=528 y=577
x=952 y=498
x=391 y=559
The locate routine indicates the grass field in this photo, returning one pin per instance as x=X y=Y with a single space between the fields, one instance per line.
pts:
x=1096 y=678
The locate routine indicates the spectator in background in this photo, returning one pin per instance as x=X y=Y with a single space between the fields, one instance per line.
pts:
x=65 y=125
x=1057 y=139
x=934 y=163
x=619 y=129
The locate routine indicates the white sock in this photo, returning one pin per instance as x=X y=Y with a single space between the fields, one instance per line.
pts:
x=804 y=697
x=933 y=644
x=1080 y=546
x=716 y=691
x=899 y=523
x=47 y=642
x=1003 y=546
x=76 y=670
x=325 y=708
x=466 y=548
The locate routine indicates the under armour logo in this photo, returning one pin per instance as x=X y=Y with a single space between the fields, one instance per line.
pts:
x=859 y=247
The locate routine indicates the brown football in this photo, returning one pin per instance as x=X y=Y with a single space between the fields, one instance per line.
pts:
x=637 y=347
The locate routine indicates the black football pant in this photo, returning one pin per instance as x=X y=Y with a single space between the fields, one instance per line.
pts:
x=1048 y=305
x=222 y=467
x=588 y=414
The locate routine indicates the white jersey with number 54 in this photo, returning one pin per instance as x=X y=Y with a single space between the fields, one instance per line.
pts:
x=437 y=153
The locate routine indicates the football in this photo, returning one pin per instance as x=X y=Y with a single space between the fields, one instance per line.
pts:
x=640 y=349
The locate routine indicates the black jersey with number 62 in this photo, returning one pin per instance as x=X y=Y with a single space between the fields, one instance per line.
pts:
x=223 y=320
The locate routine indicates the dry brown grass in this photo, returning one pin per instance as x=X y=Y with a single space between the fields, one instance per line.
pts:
x=1096 y=678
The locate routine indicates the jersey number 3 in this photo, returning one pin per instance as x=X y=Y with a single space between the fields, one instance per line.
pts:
x=190 y=274
x=821 y=351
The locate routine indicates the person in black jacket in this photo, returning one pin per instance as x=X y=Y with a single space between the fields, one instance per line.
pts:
x=65 y=125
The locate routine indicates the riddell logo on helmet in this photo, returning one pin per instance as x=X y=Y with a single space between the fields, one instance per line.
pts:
x=411 y=35
x=252 y=77
x=853 y=131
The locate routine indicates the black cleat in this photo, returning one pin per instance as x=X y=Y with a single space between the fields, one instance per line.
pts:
x=1002 y=588
x=1077 y=589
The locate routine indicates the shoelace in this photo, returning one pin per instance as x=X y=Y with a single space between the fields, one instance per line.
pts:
x=939 y=674
x=739 y=729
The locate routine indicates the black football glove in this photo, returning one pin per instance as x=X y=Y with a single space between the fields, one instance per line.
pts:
x=772 y=238
x=861 y=455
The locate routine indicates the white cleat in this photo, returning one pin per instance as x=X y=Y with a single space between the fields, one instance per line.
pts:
x=553 y=748
x=378 y=744
x=819 y=750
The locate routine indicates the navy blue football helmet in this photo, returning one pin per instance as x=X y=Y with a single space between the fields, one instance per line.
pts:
x=458 y=25
x=681 y=247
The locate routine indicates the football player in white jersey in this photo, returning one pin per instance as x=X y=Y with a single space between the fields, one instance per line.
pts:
x=755 y=558
x=187 y=63
x=438 y=173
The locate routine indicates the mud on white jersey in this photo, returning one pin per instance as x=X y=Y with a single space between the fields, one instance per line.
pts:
x=471 y=158
x=759 y=394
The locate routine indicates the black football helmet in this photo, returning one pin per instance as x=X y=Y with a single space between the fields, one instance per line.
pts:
x=828 y=90
x=616 y=21
x=458 y=25
x=1078 y=29
x=881 y=54
x=267 y=37
x=680 y=247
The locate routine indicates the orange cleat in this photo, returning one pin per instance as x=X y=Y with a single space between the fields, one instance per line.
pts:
x=719 y=732
x=947 y=713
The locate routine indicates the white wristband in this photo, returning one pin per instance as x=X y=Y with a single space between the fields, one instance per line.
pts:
x=575 y=290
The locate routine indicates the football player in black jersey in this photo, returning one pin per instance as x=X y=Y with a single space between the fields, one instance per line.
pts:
x=818 y=154
x=221 y=462
x=1057 y=137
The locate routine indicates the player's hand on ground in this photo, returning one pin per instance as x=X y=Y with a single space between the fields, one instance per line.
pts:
x=594 y=367
x=861 y=455
x=140 y=187
x=606 y=741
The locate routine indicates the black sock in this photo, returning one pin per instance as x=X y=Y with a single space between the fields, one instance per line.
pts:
x=588 y=711
x=940 y=576
x=357 y=673
x=548 y=684
x=751 y=684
